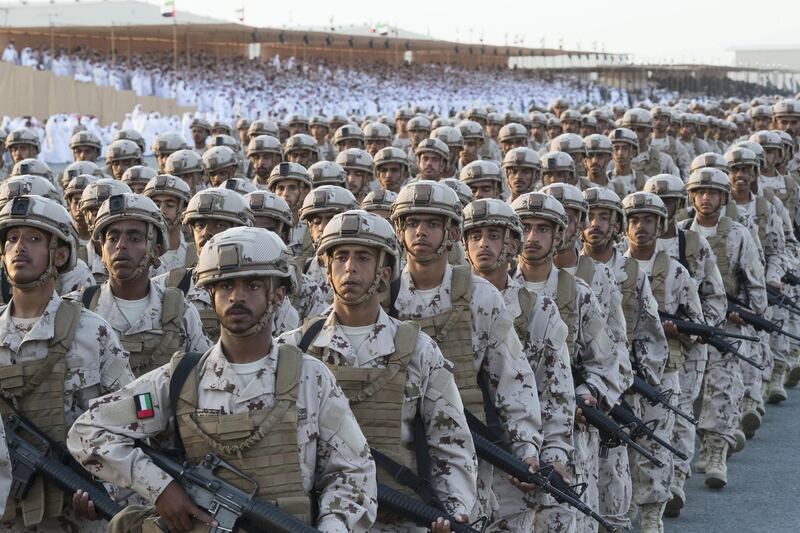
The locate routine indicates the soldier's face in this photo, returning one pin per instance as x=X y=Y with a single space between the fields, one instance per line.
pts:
x=199 y=136
x=124 y=248
x=76 y=214
x=661 y=123
x=672 y=204
x=119 y=167
x=493 y=129
x=471 y=147
x=274 y=226
x=687 y=131
x=706 y=201
x=263 y=164
x=569 y=126
x=204 y=229
x=538 y=237
x=598 y=227
x=642 y=228
x=431 y=166
x=417 y=136
x=375 y=145
x=89 y=215
x=170 y=207
x=353 y=269
x=622 y=153
x=422 y=235
x=598 y=162
x=537 y=132
x=296 y=128
x=575 y=218
x=390 y=175
x=773 y=156
x=513 y=143
x=485 y=189
x=588 y=130
x=221 y=176
x=484 y=246
x=400 y=125
x=26 y=254
x=556 y=176
x=349 y=143
x=22 y=151
x=356 y=180
x=316 y=224
x=643 y=133
x=161 y=161
x=244 y=138
x=790 y=125
x=85 y=153
x=319 y=132
x=301 y=157
x=240 y=303
x=554 y=131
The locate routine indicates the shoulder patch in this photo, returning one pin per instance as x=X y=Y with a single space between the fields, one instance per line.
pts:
x=144 y=406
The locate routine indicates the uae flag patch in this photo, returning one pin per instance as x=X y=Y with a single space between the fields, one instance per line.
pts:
x=144 y=406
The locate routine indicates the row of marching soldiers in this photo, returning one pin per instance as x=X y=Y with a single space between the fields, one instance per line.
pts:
x=522 y=295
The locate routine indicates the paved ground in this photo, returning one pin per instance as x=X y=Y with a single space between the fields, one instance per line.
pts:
x=762 y=494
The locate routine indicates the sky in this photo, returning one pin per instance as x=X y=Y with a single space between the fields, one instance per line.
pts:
x=654 y=31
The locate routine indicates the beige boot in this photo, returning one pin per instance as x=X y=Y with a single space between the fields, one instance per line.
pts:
x=775 y=391
x=650 y=518
x=700 y=461
x=741 y=442
x=793 y=376
x=716 y=466
x=751 y=419
x=674 y=505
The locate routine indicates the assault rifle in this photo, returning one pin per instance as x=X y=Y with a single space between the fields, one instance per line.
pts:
x=713 y=337
x=422 y=513
x=791 y=279
x=623 y=413
x=758 y=322
x=34 y=453
x=654 y=396
x=546 y=478
x=229 y=505
x=781 y=299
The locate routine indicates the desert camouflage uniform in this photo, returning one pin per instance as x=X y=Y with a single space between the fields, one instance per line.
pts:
x=95 y=364
x=512 y=384
x=683 y=160
x=75 y=279
x=172 y=259
x=653 y=161
x=334 y=457
x=430 y=390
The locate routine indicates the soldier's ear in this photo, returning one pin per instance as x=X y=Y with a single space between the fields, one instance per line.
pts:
x=62 y=255
x=279 y=294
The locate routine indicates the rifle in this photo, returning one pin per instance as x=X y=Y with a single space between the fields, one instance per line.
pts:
x=545 y=478
x=226 y=503
x=704 y=331
x=758 y=322
x=422 y=513
x=623 y=413
x=715 y=340
x=791 y=279
x=612 y=432
x=776 y=297
x=654 y=396
x=51 y=460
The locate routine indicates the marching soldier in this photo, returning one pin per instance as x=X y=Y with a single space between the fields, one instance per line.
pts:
x=666 y=143
x=523 y=170
x=625 y=178
x=650 y=160
x=432 y=157
x=164 y=145
x=301 y=442
x=320 y=130
x=484 y=178
x=171 y=194
x=377 y=136
x=220 y=164
x=85 y=146
x=360 y=168
x=120 y=156
x=22 y=144
x=291 y=182
x=188 y=166
x=92 y=197
x=302 y=149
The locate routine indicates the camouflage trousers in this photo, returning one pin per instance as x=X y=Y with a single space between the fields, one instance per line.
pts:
x=722 y=394
x=616 y=487
x=793 y=326
x=754 y=379
x=66 y=523
x=515 y=509
x=779 y=343
x=486 y=503
x=690 y=377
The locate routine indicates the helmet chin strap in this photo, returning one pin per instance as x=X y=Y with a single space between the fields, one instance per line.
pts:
x=50 y=272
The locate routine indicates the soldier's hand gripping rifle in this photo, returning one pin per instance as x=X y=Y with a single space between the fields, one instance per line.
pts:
x=422 y=513
x=623 y=413
x=654 y=396
x=713 y=337
x=758 y=322
x=229 y=505
x=546 y=478
x=33 y=453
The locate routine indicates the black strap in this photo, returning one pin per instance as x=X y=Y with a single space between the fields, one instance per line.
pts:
x=394 y=291
x=420 y=484
x=5 y=286
x=88 y=295
x=512 y=271
x=492 y=416
x=682 y=247
x=186 y=281
x=176 y=381
x=310 y=334
x=307 y=264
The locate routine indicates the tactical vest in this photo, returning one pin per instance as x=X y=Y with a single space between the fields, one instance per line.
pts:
x=566 y=294
x=689 y=250
x=526 y=300
x=718 y=245
x=456 y=255
x=761 y=218
x=628 y=289
x=671 y=149
x=658 y=284
x=639 y=179
x=452 y=331
x=376 y=399
x=585 y=269
x=36 y=389
x=149 y=350
x=181 y=278
x=260 y=443
x=652 y=166
x=190 y=260
x=789 y=197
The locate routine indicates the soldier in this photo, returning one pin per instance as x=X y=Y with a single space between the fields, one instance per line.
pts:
x=316 y=446
x=594 y=357
x=262 y=127
x=302 y=149
x=363 y=258
x=153 y=322
x=220 y=164
x=22 y=144
x=318 y=209
x=391 y=168
x=402 y=139
x=221 y=128
x=432 y=159
x=786 y=117
x=55 y=356
x=572 y=144
x=484 y=178
x=570 y=121
x=34 y=167
x=451 y=136
x=201 y=130
x=72 y=197
x=137 y=177
x=650 y=160
x=93 y=195
x=625 y=178
x=264 y=152
x=666 y=143
x=538 y=130
x=85 y=146
x=473 y=136
x=320 y=130
x=523 y=171
x=598 y=157
x=553 y=127
x=674 y=292
x=120 y=156
x=761 y=117
x=588 y=125
x=327 y=173
x=469 y=321
x=209 y=212
x=242 y=125
x=188 y=166
x=171 y=195
x=165 y=144
x=558 y=167
x=348 y=136
x=27 y=184
x=379 y=202
x=513 y=136
x=739 y=264
x=360 y=168
x=297 y=123
x=129 y=135
x=77 y=168
x=290 y=182
x=687 y=135
x=419 y=129
x=377 y=137
x=492 y=237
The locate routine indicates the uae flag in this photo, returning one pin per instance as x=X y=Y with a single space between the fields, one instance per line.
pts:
x=168 y=8
x=144 y=406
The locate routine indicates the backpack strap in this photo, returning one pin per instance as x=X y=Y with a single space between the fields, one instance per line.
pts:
x=585 y=270
x=89 y=297
x=311 y=329
x=5 y=287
